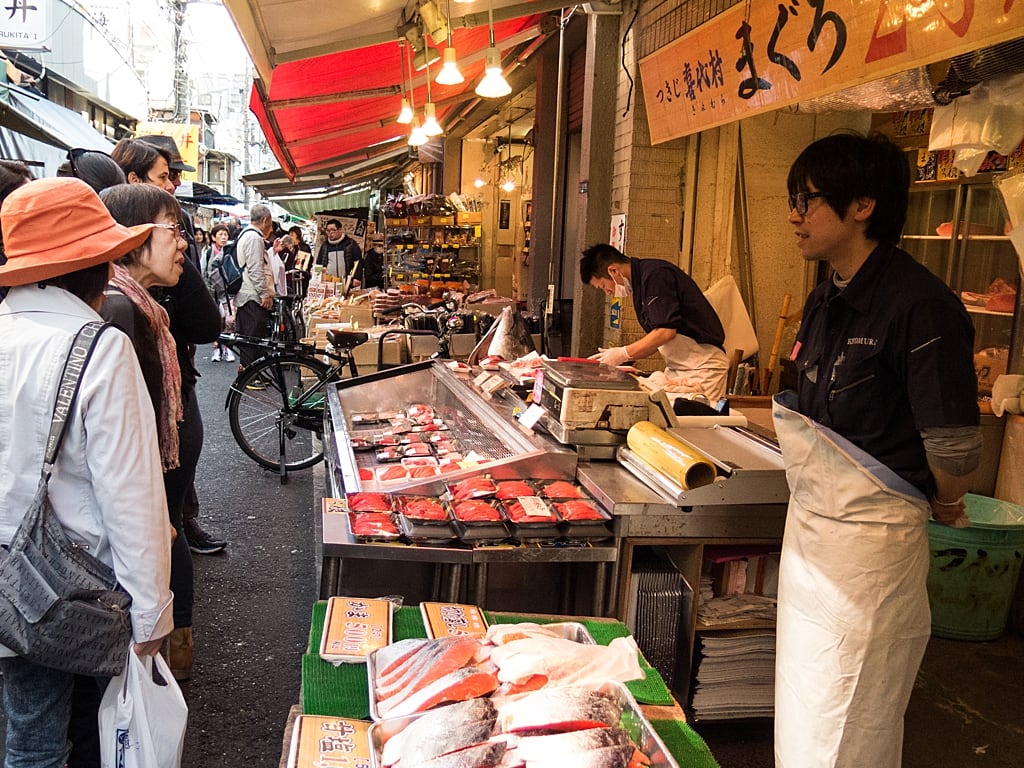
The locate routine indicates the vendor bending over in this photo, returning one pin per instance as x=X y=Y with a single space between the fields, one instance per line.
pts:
x=680 y=323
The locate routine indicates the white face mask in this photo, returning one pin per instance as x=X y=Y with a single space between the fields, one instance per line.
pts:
x=624 y=290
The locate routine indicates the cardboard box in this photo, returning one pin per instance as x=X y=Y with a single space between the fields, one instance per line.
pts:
x=442 y=221
x=396 y=222
x=468 y=218
x=990 y=364
x=396 y=350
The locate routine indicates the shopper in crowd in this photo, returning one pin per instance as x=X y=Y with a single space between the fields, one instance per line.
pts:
x=881 y=433
x=210 y=261
x=678 y=320
x=256 y=298
x=201 y=239
x=370 y=273
x=13 y=174
x=303 y=253
x=106 y=487
x=195 y=319
x=338 y=253
x=95 y=168
x=143 y=163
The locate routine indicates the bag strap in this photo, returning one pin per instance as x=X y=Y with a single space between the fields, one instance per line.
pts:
x=82 y=347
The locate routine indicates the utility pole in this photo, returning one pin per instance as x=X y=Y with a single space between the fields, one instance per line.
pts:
x=181 y=105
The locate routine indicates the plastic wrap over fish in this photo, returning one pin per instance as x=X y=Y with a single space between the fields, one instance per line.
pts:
x=509 y=338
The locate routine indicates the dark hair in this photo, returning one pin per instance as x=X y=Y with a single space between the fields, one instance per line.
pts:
x=217 y=228
x=596 y=260
x=87 y=284
x=848 y=166
x=200 y=231
x=133 y=204
x=335 y=222
x=13 y=174
x=138 y=157
x=95 y=168
x=296 y=232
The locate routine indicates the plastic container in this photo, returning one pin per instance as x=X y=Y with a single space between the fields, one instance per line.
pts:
x=974 y=571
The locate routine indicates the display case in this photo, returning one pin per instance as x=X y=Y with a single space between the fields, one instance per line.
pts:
x=958 y=229
x=488 y=437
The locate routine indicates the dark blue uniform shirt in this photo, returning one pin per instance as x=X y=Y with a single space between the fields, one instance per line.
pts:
x=666 y=297
x=886 y=357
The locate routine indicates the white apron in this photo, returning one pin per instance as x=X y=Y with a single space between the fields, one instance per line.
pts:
x=704 y=362
x=853 y=617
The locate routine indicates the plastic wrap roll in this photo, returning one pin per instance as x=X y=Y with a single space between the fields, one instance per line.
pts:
x=670 y=456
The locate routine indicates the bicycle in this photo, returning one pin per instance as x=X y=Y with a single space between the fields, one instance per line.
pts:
x=276 y=404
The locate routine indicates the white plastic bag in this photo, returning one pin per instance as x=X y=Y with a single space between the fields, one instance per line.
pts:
x=142 y=721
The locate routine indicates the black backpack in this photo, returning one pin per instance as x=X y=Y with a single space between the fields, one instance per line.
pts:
x=229 y=269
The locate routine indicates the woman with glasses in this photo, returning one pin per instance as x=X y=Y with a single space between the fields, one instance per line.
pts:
x=158 y=262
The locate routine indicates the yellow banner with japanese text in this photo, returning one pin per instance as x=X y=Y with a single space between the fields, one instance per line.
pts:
x=185 y=136
x=759 y=56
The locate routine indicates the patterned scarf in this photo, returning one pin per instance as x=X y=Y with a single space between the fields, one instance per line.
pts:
x=170 y=404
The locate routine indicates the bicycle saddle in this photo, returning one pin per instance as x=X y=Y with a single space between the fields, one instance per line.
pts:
x=346 y=339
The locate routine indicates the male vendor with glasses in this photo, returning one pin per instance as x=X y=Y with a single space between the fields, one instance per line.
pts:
x=881 y=434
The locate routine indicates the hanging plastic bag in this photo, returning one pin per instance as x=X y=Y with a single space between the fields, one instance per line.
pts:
x=142 y=716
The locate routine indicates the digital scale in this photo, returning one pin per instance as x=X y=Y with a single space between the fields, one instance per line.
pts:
x=591 y=406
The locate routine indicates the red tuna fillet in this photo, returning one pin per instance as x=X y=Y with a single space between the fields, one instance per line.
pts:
x=476 y=511
x=512 y=489
x=562 y=489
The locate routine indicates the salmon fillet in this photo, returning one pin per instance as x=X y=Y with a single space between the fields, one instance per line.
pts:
x=462 y=684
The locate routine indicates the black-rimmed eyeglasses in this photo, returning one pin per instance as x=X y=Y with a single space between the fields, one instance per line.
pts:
x=798 y=202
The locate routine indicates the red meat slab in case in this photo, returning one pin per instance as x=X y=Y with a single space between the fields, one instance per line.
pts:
x=513 y=489
x=374 y=526
x=579 y=511
x=473 y=488
x=562 y=489
x=519 y=514
x=476 y=511
x=367 y=501
x=422 y=508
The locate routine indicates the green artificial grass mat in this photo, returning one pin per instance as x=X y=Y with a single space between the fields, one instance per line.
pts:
x=685 y=744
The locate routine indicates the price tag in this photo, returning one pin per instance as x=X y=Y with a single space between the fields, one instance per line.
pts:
x=534 y=506
x=480 y=379
x=531 y=416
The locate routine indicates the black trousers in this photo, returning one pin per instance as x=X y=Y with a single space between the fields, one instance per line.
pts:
x=252 y=320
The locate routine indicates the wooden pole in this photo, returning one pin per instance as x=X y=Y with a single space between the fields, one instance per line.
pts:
x=773 y=358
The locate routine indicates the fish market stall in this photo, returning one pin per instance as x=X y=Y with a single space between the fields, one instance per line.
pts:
x=453 y=696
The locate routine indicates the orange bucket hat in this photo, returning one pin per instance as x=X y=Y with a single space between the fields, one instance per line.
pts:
x=52 y=227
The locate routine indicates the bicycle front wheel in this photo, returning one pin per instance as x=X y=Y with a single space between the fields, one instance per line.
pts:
x=276 y=408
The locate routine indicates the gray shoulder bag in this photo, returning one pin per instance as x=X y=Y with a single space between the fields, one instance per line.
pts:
x=60 y=607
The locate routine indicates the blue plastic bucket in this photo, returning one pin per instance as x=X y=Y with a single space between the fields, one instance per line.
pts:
x=973 y=571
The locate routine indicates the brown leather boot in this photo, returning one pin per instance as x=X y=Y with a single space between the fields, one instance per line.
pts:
x=179 y=653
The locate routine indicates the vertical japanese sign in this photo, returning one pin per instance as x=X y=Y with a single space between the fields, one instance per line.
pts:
x=756 y=57
x=23 y=24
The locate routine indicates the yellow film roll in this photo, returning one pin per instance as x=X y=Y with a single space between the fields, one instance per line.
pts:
x=670 y=456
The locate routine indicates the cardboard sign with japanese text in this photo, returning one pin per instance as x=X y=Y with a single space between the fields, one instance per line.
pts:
x=756 y=57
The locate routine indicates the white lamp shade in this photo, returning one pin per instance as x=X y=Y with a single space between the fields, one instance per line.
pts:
x=493 y=85
x=449 y=74
x=430 y=125
x=417 y=137
x=405 y=115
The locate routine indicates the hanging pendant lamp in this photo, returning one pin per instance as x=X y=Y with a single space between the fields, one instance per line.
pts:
x=405 y=111
x=430 y=125
x=494 y=85
x=449 y=74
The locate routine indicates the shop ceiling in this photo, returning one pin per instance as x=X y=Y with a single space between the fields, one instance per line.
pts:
x=330 y=80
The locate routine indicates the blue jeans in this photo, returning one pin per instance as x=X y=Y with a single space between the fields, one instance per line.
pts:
x=37 y=701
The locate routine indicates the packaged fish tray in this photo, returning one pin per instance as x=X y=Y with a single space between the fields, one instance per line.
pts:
x=562 y=489
x=561 y=730
x=337 y=741
x=474 y=512
x=567 y=630
x=482 y=534
x=392 y=473
x=429 y=533
x=423 y=509
x=583 y=520
x=373 y=527
x=531 y=519
x=368 y=501
x=355 y=627
x=513 y=489
x=476 y=487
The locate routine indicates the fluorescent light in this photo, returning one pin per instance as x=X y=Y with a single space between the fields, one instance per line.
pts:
x=405 y=115
x=449 y=74
x=494 y=85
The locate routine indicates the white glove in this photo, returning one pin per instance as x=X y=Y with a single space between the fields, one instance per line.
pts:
x=613 y=356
